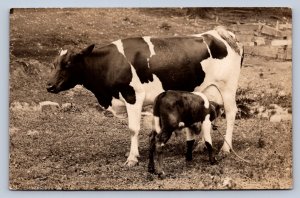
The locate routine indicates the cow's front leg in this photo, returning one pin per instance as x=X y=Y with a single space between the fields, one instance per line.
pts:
x=230 y=111
x=134 y=120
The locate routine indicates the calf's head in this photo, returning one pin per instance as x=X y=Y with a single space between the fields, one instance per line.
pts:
x=68 y=68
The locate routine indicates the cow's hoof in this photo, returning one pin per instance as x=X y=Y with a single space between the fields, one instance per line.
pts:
x=222 y=154
x=131 y=163
x=225 y=148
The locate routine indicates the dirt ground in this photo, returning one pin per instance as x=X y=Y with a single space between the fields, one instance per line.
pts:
x=80 y=148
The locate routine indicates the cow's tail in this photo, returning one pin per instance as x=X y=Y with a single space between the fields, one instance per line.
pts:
x=230 y=38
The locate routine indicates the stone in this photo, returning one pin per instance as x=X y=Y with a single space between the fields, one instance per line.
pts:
x=261 y=109
x=66 y=106
x=285 y=26
x=48 y=105
x=32 y=132
x=287 y=117
x=281 y=42
x=282 y=93
x=276 y=118
x=22 y=106
x=259 y=40
x=228 y=183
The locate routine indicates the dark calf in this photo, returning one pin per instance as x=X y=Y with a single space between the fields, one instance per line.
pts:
x=179 y=110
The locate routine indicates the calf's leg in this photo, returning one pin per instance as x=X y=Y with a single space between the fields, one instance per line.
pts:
x=205 y=128
x=151 y=165
x=190 y=140
x=161 y=140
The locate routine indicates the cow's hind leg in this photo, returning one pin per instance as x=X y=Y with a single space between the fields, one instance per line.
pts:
x=134 y=120
x=230 y=111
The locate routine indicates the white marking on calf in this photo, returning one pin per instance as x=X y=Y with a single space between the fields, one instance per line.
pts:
x=119 y=46
x=181 y=124
x=150 y=44
x=63 y=52
x=206 y=102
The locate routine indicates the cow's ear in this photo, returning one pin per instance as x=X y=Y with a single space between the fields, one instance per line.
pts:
x=87 y=50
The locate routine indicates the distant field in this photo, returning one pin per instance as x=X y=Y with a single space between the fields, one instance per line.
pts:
x=81 y=148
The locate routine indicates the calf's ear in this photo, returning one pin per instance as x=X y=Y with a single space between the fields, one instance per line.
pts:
x=87 y=50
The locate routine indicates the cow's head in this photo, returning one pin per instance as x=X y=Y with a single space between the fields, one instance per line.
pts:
x=67 y=72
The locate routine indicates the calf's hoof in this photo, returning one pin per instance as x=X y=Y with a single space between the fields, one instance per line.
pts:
x=151 y=169
x=213 y=161
x=161 y=175
x=188 y=158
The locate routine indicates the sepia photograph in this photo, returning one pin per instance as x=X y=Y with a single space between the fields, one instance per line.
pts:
x=150 y=98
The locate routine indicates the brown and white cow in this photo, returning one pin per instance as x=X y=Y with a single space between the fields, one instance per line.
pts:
x=136 y=70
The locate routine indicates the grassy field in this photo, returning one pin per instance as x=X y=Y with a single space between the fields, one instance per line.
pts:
x=81 y=148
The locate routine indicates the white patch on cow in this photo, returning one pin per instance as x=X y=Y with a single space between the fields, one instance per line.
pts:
x=63 y=52
x=150 y=44
x=224 y=74
x=206 y=102
x=205 y=128
x=156 y=124
x=152 y=89
x=119 y=46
